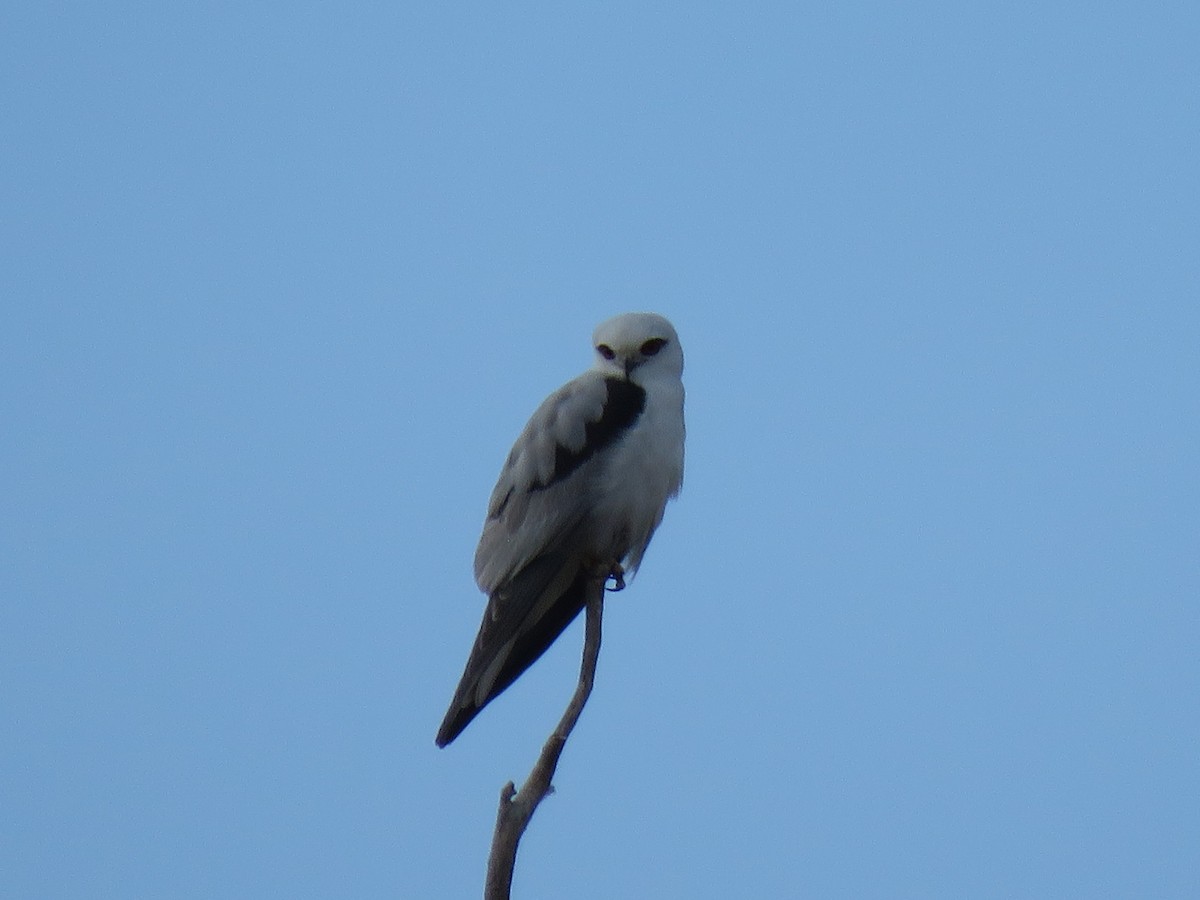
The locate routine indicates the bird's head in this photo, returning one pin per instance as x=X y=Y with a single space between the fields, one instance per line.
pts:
x=638 y=344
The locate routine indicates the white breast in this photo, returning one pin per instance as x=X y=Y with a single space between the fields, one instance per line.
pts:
x=645 y=470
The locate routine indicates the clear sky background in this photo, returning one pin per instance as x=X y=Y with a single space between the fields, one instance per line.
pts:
x=282 y=282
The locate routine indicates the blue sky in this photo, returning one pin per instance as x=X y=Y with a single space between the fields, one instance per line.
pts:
x=283 y=282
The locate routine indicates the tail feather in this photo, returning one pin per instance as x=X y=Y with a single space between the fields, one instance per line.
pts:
x=515 y=625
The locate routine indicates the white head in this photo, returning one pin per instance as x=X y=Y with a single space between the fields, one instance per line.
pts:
x=638 y=344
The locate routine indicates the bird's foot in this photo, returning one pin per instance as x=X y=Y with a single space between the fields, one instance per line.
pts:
x=618 y=577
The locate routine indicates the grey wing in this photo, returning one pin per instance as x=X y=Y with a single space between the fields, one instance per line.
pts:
x=544 y=489
x=533 y=558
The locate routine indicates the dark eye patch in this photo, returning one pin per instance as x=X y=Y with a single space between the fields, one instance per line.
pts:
x=652 y=346
x=606 y=351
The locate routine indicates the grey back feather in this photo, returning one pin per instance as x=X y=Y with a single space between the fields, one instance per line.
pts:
x=529 y=512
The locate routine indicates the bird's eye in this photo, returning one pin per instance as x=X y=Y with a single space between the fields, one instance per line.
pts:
x=606 y=351
x=652 y=346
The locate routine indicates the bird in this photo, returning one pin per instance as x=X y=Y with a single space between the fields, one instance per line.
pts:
x=579 y=497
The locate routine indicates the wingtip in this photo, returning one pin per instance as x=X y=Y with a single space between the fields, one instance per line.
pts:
x=448 y=732
x=453 y=725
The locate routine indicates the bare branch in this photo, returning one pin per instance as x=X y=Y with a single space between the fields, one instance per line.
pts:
x=517 y=807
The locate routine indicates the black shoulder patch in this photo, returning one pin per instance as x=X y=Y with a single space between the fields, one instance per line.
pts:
x=622 y=406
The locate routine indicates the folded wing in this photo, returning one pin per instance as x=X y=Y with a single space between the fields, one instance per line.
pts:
x=535 y=558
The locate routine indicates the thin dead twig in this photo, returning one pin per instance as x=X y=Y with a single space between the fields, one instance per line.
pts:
x=517 y=807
